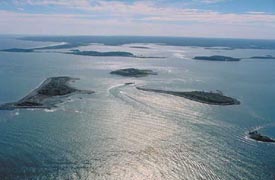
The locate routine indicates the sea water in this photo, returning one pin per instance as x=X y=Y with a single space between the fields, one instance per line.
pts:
x=120 y=132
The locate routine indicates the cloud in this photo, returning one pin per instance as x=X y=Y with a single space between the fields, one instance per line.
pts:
x=136 y=18
x=68 y=3
x=212 y=1
x=148 y=11
x=20 y=9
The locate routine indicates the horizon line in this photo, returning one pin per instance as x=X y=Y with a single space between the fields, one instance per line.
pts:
x=157 y=36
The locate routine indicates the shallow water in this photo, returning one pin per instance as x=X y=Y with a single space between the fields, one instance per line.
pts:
x=123 y=133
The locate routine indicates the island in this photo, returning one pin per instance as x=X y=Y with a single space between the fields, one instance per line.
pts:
x=129 y=83
x=97 y=53
x=17 y=50
x=216 y=58
x=258 y=137
x=81 y=53
x=263 y=57
x=212 y=98
x=132 y=72
x=219 y=48
x=139 y=47
x=63 y=46
x=50 y=92
x=108 y=54
x=59 y=46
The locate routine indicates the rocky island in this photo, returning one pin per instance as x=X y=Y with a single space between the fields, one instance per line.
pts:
x=212 y=98
x=258 y=137
x=216 y=58
x=47 y=94
x=132 y=72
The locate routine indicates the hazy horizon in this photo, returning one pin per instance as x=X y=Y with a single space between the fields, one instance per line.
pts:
x=95 y=35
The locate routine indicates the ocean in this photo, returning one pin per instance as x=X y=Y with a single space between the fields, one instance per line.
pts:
x=120 y=132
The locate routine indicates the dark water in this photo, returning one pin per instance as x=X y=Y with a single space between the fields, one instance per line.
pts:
x=123 y=133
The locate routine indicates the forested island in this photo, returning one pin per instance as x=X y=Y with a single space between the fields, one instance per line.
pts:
x=44 y=96
x=17 y=50
x=97 y=53
x=79 y=52
x=212 y=98
x=216 y=58
x=132 y=72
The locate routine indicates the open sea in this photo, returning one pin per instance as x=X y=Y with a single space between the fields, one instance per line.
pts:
x=120 y=132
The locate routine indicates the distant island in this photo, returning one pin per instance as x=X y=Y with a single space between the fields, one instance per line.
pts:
x=129 y=83
x=63 y=46
x=216 y=58
x=170 y=41
x=219 y=48
x=263 y=57
x=258 y=137
x=140 y=47
x=78 y=52
x=44 y=95
x=211 y=98
x=59 y=46
x=132 y=72
x=17 y=50
x=108 y=54
x=97 y=53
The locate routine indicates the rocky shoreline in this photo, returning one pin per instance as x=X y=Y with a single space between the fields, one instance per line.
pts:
x=259 y=137
x=44 y=96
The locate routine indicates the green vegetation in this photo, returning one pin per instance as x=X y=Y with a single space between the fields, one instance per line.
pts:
x=18 y=50
x=132 y=72
x=96 y=53
x=199 y=96
x=44 y=95
x=216 y=58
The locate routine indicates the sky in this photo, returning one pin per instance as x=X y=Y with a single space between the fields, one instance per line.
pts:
x=254 y=19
